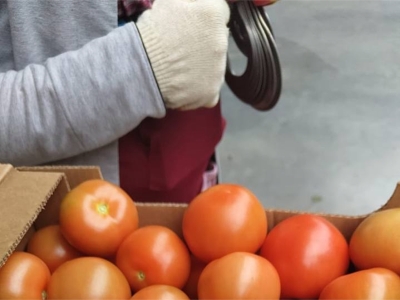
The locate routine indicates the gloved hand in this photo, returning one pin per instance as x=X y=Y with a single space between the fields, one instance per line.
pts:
x=187 y=44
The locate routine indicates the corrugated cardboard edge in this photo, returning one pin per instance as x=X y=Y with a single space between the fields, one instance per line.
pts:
x=6 y=171
x=171 y=215
x=74 y=174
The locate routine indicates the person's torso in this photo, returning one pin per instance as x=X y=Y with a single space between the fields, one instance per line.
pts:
x=161 y=160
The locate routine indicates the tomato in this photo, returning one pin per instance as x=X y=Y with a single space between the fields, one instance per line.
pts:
x=96 y=216
x=160 y=292
x=374 y=284
x=23 y=276
x=376 y=241
x=308 y=252
x=239 y=275
x=225 y=218
x=154 y=255
x=50 y=246
x=196 y=267
x=88 y=278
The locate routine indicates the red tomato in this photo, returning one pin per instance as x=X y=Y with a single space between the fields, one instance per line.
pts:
x=375 y=283
x=308 y=252
x=160 y=292
x=50 y=246
x=154 y=255
x=88 y=278
x=376 y=241
x=196 y=267
x=225 y=218
x=24 y=276
x=239 y=275
x=96 y=216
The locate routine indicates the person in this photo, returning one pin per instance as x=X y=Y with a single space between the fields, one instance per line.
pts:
x=139 y=100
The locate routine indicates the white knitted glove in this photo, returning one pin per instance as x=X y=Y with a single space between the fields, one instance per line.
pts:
x=187 y=44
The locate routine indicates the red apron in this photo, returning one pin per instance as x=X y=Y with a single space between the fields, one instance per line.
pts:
x=163 y=160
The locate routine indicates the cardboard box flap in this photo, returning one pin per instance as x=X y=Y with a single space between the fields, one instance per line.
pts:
x=4 y=170
x=394 y=200
x=74 y=174
x=23 y=195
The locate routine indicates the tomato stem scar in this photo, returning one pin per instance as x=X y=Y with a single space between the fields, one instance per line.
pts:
x=141 y=275
x=102 y=208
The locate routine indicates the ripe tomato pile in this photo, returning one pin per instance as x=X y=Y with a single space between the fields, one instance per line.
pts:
x=226 y=251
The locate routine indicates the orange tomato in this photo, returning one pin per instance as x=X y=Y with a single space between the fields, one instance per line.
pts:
x=196 y=267
x=308 y=252
x=88 y=278
x=160 y=292
x=376 y=241
x=50 y=246
x=154 y=255
x=239 y=275
x=23 y=276
x=225 y=218
x=96 y=216
x=374 y=284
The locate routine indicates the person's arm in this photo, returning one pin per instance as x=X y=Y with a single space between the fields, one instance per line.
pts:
x=85 y=99
x=77 y=101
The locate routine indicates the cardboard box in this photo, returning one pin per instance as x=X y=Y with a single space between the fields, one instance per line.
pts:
x=30 y=198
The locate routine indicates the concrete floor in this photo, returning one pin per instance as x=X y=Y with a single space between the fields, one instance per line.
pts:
x=332 y=144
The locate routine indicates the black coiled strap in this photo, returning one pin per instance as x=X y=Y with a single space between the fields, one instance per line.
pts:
x=261 y=83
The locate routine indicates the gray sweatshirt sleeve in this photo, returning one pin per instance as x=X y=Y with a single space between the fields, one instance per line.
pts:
x=77 y=101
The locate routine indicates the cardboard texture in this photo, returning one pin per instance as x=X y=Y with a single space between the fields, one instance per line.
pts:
x=23 y=195
x=30 y=198
x=74 y=174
